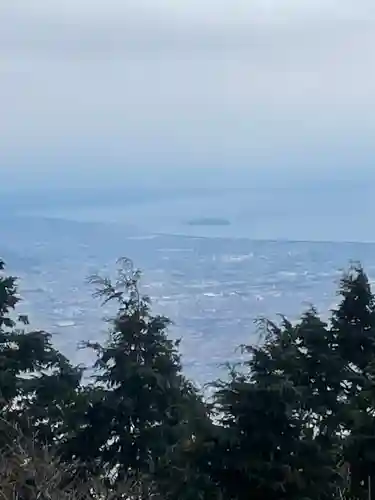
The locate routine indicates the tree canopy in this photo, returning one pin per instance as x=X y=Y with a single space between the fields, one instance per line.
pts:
x=294 y=420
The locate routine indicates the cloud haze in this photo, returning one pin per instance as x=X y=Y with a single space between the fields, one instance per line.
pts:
x=144 y=83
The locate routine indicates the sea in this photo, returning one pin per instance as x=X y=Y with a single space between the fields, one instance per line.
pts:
x=213 y=261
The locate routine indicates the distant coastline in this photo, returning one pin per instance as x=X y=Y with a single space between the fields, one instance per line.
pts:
x=208 y=221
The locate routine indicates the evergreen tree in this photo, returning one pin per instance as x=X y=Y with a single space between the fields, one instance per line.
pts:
x=142 y=407
x=353 y=327
x=289 y=422
x=269 y=447
x=37 y=383
x=353 y=322
x=328 y=370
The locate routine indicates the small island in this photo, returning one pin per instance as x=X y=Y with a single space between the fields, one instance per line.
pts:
x=208 y=221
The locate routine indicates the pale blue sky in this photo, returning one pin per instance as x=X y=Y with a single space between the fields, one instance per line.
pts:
x=106 y=86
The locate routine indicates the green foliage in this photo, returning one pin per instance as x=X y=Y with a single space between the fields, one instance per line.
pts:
x=36 y=381
x=142 y=407
x=302 y=405
x=295 y=420
x=353 y=323
x=269 y=445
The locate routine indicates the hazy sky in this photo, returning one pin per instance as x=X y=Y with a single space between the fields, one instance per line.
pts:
x=102 y=86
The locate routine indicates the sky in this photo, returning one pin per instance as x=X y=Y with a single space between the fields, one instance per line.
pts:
x=98 y=91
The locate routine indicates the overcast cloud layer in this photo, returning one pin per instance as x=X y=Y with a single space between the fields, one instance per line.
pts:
x=117 y=84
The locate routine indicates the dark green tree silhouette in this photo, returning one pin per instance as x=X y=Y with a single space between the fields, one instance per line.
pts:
x=294 y=420
x=37 y=383
x=315 y=384
x=268 y=447
x=353 y=327
x=142 y=408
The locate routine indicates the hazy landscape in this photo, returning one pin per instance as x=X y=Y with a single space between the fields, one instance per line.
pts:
x=226 y=147
x=282 y=250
